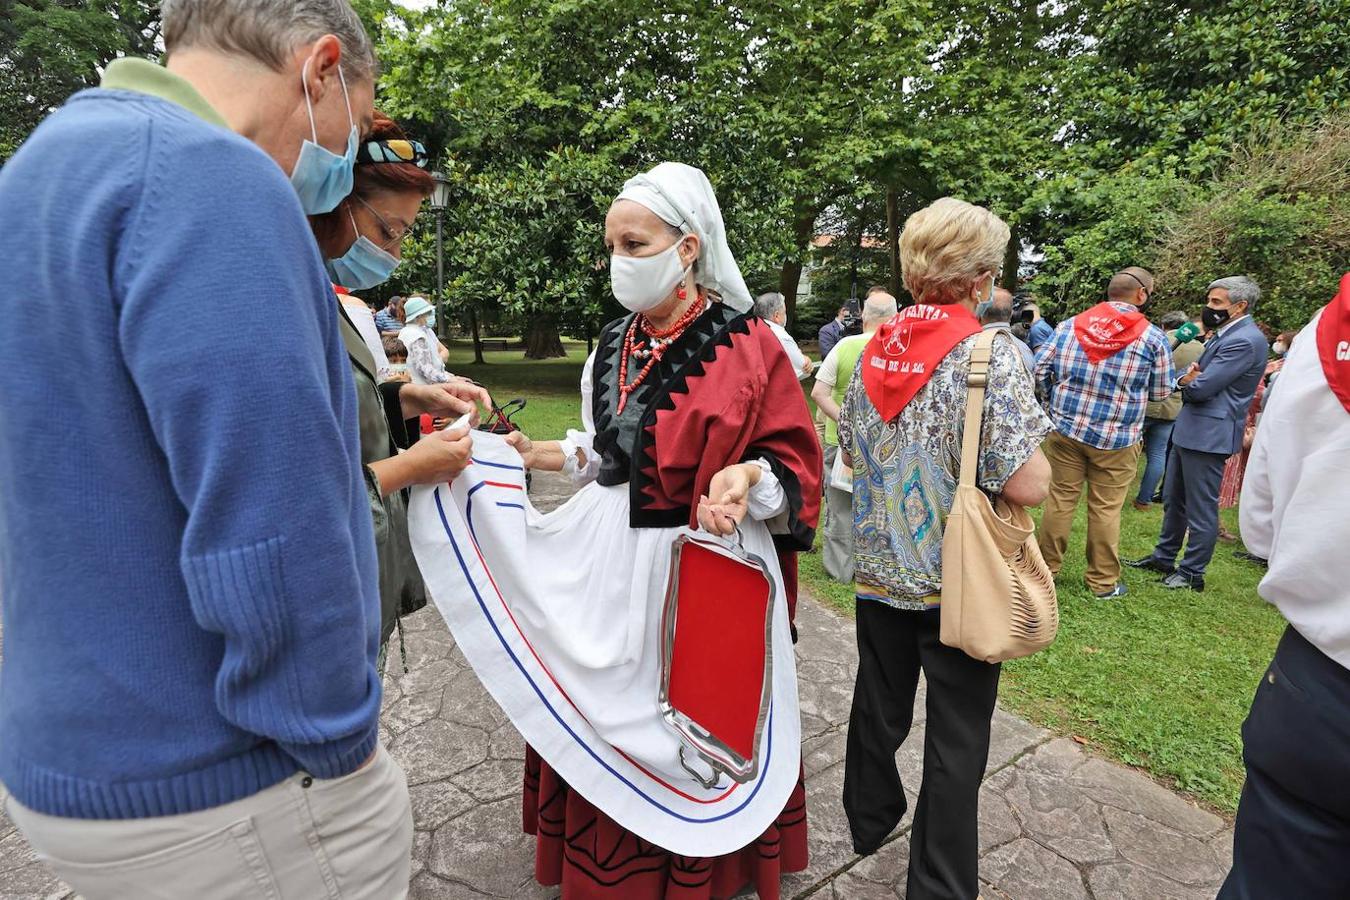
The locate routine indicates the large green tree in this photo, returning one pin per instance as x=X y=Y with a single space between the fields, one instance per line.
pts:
x=49 y=49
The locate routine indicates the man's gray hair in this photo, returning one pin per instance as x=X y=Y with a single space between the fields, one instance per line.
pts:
x=879 y=307
x=996 y=312
x=1240 y=289
x=769 y=305
x=268 y=30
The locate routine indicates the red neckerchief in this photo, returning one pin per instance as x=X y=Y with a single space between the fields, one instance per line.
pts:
x=1333 y=343
x=1104 y=331
x=904 y=352
x=340 y=290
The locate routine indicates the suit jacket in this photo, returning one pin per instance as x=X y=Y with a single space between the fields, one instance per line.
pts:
x=830 y=334
x=1214 y=406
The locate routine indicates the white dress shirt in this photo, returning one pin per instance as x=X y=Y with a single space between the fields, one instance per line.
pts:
x=364 y=320
x=1295 y=508
x=790 y=348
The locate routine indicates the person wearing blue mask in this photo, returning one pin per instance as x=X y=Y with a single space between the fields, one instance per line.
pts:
x=426 y=363
x=361 y=240
x=191 y=588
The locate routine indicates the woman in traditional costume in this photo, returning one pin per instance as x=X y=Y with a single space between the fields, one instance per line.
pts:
x=691 y=416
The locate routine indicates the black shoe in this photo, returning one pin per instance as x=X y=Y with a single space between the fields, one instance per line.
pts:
x=1152 y=564
x=1120 y=590
x=1177 y=581
x=1251 y=558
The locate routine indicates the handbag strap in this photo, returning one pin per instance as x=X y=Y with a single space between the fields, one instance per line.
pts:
x=975 y=384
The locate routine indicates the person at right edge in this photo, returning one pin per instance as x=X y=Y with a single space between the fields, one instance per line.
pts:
x=189 y=704
x=1216 y=393
x=1099 y=370
x=900 y=427
x=1292 y=836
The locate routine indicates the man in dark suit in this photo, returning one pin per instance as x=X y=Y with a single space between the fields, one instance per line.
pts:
x=832 y=331
x=1216 y=392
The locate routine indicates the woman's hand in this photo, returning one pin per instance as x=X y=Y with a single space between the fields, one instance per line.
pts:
x=727 y=501
x=524 y=446
x=447 y=400
x=438 y=457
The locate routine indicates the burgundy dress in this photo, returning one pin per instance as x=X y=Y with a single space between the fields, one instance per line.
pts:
x=1236 y=467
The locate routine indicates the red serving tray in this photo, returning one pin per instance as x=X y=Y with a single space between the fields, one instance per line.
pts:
x=717 y=660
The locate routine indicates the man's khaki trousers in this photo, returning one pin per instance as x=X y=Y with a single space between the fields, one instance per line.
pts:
x=347 y=838
x=1108 y=475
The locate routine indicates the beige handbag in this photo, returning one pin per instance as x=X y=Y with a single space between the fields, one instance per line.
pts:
x=998 y=596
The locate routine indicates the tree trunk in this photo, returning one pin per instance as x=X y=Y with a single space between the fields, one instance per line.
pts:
x=542 y=341
x=477 y=338
x=791 y=275
x=1011 y=258
x=893 y=237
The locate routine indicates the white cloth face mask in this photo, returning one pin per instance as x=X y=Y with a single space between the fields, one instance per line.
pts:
x=641 y=283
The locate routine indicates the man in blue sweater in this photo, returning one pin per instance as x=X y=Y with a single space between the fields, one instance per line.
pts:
x=188 y=701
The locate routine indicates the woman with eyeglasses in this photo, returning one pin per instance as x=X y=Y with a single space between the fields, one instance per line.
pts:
x=361 y=242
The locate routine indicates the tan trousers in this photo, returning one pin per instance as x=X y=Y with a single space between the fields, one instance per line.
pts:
x=346 y=838
x=837 y=533
x=1108 y=475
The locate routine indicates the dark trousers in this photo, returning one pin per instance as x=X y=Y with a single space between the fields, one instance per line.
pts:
x=1293 y=823
x=893 y=645
x=1190 y=503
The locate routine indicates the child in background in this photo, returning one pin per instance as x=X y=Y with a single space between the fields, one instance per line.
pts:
x=398 y=358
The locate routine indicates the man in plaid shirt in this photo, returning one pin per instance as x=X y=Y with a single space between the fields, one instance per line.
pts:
x=1099 y=372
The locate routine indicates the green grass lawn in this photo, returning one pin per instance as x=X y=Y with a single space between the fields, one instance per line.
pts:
x=1160 y=680
x=551 y=388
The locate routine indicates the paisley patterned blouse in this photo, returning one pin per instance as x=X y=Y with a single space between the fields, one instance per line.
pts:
x=905 y=471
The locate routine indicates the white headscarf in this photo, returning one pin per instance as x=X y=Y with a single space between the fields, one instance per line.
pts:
x=683 y=197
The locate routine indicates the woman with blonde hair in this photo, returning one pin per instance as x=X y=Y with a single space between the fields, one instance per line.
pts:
x=901 y=427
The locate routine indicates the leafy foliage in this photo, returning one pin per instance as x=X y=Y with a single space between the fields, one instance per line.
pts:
x=1273 y=213
x=49 y=49
x=1278 y=215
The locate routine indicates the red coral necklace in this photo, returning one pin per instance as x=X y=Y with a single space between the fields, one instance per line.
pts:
x=657 y=341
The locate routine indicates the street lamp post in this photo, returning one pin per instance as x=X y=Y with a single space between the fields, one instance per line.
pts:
x=440 y=199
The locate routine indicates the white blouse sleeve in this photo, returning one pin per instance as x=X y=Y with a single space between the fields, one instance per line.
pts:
x=425 y=362
x=583 y=440
x=767 y=500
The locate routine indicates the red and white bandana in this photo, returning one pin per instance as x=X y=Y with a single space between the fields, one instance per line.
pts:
x=906 y=350
x=1333 y=343
x=1104 y=331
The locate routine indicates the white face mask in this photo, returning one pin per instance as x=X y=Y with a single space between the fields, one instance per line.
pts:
x=641 y=283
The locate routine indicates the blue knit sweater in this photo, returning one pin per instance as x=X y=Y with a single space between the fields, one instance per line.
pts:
x=190 y=600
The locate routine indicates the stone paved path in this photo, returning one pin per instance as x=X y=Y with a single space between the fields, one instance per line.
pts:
x=1055 y=822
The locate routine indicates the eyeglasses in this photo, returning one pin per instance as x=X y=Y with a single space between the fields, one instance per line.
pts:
x=392 y=234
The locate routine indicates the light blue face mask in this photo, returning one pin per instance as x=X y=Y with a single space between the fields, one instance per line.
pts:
x=322 y=178
x=987 y=303
x=364 y=265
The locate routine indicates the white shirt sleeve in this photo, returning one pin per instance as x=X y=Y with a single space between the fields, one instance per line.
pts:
x=583 y=440
x=364 y=320
x=767 y=499
x=828 y=373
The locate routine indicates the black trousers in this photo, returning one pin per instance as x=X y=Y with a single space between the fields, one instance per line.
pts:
x=1292 y=838
x=893 y=645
